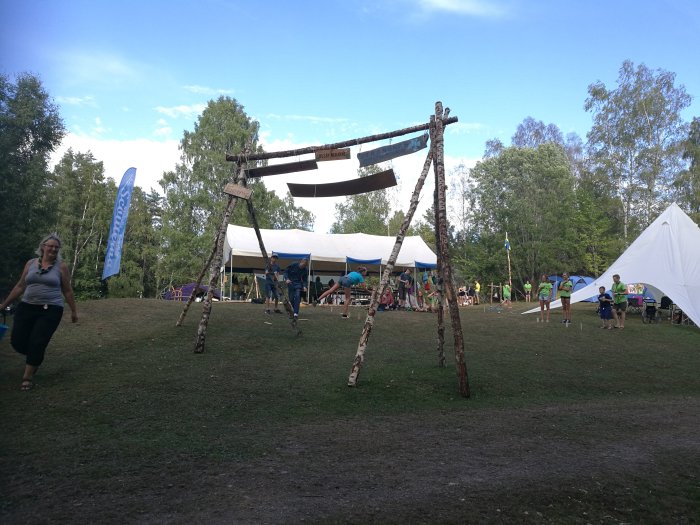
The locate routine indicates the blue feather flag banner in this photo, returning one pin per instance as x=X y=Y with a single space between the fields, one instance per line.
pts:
x=507 y=243
x=113 y=257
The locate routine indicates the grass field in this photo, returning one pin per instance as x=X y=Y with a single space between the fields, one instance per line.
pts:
x=565 y=425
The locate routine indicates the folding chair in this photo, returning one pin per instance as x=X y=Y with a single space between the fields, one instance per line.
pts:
x=635 y=304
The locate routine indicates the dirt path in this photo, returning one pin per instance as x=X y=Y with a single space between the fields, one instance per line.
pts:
x=587 y=463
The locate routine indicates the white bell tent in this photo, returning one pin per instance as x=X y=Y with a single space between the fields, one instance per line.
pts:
x=665 y=257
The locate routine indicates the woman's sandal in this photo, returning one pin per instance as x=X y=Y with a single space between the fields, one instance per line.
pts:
x=27 y=384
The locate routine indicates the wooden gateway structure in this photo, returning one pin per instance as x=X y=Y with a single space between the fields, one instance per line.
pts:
x=435 y=157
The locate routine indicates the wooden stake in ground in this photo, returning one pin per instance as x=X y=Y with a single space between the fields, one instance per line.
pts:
x=377 y=293
x=437 y=136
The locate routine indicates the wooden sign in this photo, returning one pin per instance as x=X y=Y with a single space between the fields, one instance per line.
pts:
x=279 y=169
x=332 y=154
x=375 y=182
x=367 y=158
x=237 y=191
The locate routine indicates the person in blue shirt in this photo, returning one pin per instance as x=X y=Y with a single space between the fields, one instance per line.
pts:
x=296 y=276
x=605 y=307
x=272 y=271
x=347 y=282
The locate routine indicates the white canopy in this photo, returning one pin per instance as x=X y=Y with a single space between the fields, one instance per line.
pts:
x=329 y=252
x=665 y=257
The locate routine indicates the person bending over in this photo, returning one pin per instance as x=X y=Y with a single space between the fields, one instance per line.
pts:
x=347 y=282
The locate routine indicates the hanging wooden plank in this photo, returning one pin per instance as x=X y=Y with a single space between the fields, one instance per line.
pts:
x=237 y=191
x=406 y=147
x=332 y=154
x=378 y=181
x=280 y=169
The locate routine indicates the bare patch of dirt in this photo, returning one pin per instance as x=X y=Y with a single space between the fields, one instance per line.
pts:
x=623 y=462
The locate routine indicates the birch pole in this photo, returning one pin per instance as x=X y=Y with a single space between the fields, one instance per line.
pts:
x=507 y=247
x=438 y=144
x=377 y=293
x=440 y=289
x=215 y=268
x=206 y=266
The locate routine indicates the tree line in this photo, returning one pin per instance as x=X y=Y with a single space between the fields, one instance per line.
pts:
x=565 y=203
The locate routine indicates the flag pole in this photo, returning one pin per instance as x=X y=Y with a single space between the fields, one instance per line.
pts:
x=510 y=280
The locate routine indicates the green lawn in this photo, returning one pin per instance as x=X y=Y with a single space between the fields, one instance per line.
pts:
x=124 y=413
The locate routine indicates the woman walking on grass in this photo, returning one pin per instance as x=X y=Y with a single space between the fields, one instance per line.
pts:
x=44 y=282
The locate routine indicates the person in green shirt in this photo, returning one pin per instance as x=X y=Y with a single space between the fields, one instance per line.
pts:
x=544 y=294
x=506 y=296
x=528 y=291
x=619 y=291
x=565 y=288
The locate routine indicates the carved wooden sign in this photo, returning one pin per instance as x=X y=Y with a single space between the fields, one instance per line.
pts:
x=237 y=191
x=332 y=154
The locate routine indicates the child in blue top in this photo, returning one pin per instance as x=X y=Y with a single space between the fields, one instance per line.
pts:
x=605 y=303
x=347 y=282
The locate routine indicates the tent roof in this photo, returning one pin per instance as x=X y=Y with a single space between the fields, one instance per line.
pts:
x=329 y=251
x=666 y=256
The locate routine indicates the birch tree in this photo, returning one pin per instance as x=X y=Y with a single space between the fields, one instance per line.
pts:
x=635 y=138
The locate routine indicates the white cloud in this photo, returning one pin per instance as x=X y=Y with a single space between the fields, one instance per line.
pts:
x=165 y=131
x=150 y=157
x=307 y=118
x=203 y=90
x=464 y=128
x=76 y=101
x=98 y=128
x=181 y=111
x=464 y=7
x=95 y=68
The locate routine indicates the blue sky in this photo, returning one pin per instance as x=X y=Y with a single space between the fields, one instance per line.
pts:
x=130 y=76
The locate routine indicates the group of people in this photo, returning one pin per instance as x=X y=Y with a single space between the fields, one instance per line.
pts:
x=609 y=307
x=296 y=277
x=409 y=295
x=469 y=295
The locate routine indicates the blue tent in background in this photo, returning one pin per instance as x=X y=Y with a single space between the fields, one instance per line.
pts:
x=580 y=281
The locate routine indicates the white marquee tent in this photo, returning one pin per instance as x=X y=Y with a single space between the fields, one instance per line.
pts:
x=329 y=253
x=665 y=257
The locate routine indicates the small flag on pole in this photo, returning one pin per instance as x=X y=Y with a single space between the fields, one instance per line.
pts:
x=507 y=243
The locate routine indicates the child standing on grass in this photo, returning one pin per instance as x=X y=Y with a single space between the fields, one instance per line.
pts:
x=605 y=303
x=544 y=294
